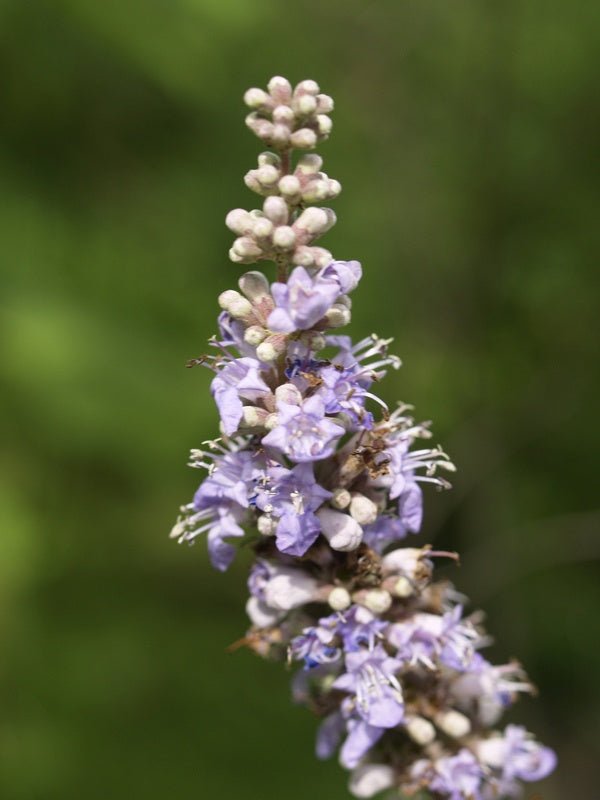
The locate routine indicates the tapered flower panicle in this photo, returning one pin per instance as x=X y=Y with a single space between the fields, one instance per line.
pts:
x=324 y=481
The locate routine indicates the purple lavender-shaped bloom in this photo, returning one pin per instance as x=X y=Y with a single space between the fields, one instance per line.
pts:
x=303 y=433
x=240 y=378
x=302 y=301
x=292 y=496
x=378 y=695
x=456 y=777
x=515 y=756
x=346 y=274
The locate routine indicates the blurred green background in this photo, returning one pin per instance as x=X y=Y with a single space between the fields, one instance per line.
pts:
x=464 y=138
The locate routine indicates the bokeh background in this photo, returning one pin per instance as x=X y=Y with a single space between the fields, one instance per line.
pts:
x=464 y=138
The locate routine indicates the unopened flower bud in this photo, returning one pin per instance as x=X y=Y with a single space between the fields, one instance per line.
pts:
x=280 y=89
x=275 y=208
x=341 y=531
x=266 y=525
x=272 y=421
x=256 y=98
x=254 y=335
x=362 y=509
x=253 y=417
x=341 y=498
x=239 y=221
x=453 y=723
x=260 y=614
x=325 y=103
x=306 y=87
x=280 y=135
x=283 y=114
x=284 y=237
x=309 y=164
x=376 y=600
x=267 y=174
x=370 y=779
x=403 y=587
x=246 y=247
x=325 y=124
x=289 y=186
x=339 y=599
x=288 y=393
x=306 y=104
x=254 y=285
x=227 y=297
x=420 y=730
x=303 y=138
x=337 y=316
x=315 y=220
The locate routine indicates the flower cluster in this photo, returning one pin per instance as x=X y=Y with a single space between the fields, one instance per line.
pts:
x=325 y=482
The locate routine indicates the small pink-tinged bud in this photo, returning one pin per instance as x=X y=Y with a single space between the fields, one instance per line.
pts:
x=341 y=531
x=267 y=174
x=321 y=256
x=261 y=127
x=309 y=164
x=239 y=221
x=307 y=87
x=304 y=138
x=280 y=89
x=254 y=285
x=316 y=191
x=288 y=393
x=257 y=98
x=303 y=256
x=284 y=237
x=272 y=159
x=313 y=220
x=280 y=135
x=235 y=256
x=283 y=114
x=246 y=247
x=275 y=208
x=325 y=104
x=370 y=779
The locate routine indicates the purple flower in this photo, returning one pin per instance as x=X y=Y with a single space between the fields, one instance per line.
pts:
x=361 y=738
x=383 y=531
x=378 y=695
x=292 y=497
x=302 y=301
x=456 y=777
x=303 y=433
x=240 y=378
x=346 y=274
x=516 y=756
x=343 y=390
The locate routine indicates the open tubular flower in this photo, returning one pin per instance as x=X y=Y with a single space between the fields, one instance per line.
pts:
x=325 y=481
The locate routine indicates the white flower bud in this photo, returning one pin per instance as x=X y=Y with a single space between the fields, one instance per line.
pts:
x=267 y=174
x=341 y=531
x=314 y=220
x=288 y=393
x=281 y=134
x=325 y=124
x=266 y=525
x=267 y=352
x=370 y=779
x=321 y=256
x=235 y=256
x=254 y=285
x=256 y=98
x=259 y=126
x=253 y=417
x=269 y=158
x=306 y=87
x=306 y=104
x=239 y=221
x=303 y=138
x=260 y=614
x=315 y=191
x=492 y=751
x=403 y=587
x=362 y=509
x=405 y=560
x=316 y=341
x=289 y=588
x=240 y=308
x=254 y=335
x=453 y=723
x=284 y=115
x=227 y=297
x=246 y=247
x=284 y=237
x=272 y=421
x=325 y=103
x=377 y=600
x=263 y=228
x=344 y=300
x=337 y=316
x=275 y=208
x=280 y=89
x=335 y=187
x=303 y=256
x=289 y=186
x=420 y=730
x=339 y=599
x=309 y=164
x=341 y=498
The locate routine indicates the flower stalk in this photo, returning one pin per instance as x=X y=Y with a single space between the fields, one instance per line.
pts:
x=328 y=482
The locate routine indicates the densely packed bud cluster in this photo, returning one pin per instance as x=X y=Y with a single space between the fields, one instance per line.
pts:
x=324 y=481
